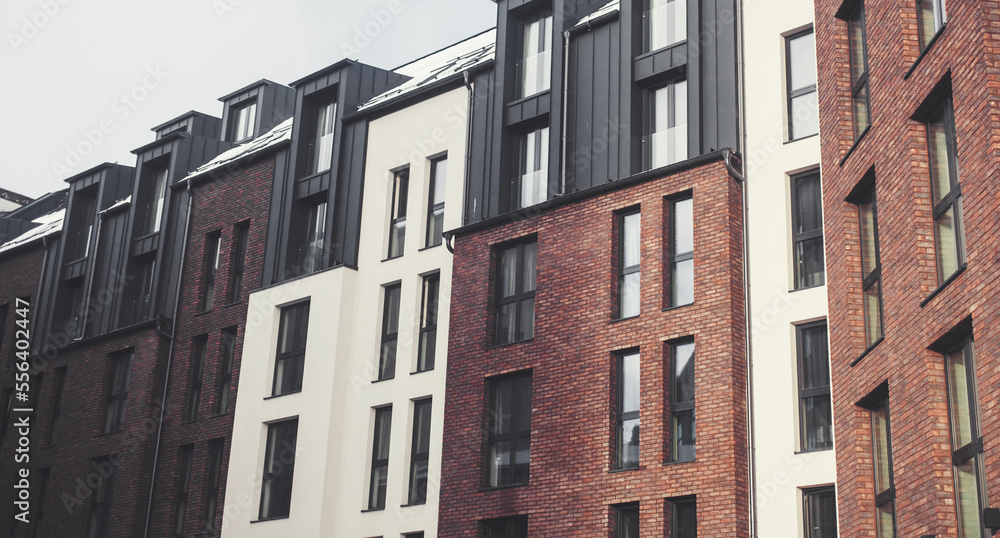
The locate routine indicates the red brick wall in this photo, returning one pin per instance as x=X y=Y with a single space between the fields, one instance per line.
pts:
x=896 y=148
x=570 y=489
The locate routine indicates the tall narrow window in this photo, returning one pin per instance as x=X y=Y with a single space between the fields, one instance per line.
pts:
x=681 y=252
x=290 y=359
x=515 y=292
x=320 y=129
x=514 y=527
x=628 y=264
x=682 y=422
x=667 y=140
x=435 y=202
x=931 y=17
x=310 y=231
x=807 y=230
x=533 y=176
x=56 y=405
x=535 y=65
x=242 y=121
x=198 y=351
x=509 y=427
x=871 y=268
x=683 y=518
x=428 y=322
x=225 y=383
x=627 y=430
x=183 y=489
x=149 y=203
x=819 y=511
x=81 y=223
x=627 y=521
x=800 y=82
x=279 y=467
x=858 y=51
x=420 y=451
x=815 y=414
x=665 y=23
x=238 y=264
x=390 y=332
x=882 y=460
x=380 y=458
x=138 y=305
x=42 y=486
x=966 y=439
x=100 y=498
x=215 y=447
x=117 y=392
x=397 y=217
x=946 y=191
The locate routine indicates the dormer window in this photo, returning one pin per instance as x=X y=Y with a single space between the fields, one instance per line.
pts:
x=535 y=64
x=319 y=129
x=149 y=209
x=242 y=121
x=533 y=178
x=665 y=23
x=81 y=224
x=667 y=140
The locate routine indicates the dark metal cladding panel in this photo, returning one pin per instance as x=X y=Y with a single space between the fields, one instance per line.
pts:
x=109 y=275
x=728 y=77
x=272 y=254
x=481 y=147
x=172 y=236
x=44 y=304
x=350 y=186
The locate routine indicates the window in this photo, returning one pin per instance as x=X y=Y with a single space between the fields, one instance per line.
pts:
x=966 y=439
x=515 y=306
x=509 y=429
x=56 y=404
x=139 y=305
x=71 y=308
x=858 y=51
x=224 y=388
x=198 y=350
x=183 y=489
x=100 y=498
x=533 y=177
x=414 y=535
x=667 y=140
x=291 y=355
x=627 y=521
x=428 y=322
x=321 y=121
x=682 y=402
x=238 y=264
x=628 y=264
x=310 y=230
x=807 y=230
x=435 y=202
x=515 y=527
x=42 y=486
x=242 y=121
x=420 y=451
x=215 y=447
x=535 y=64
x=931 y=17
x=800 y=81
x=665 y=23
x=149 y=202
x=683 y=518
x=390 y=332
x=279 y=466
x=380 y=458
x=871 y=270
x=819 y=510
x=882 y=460
x=627 y=427
x=945 y=191
x=815 y=414
x=397 y=217
x=681 y=252
x=81 y=224
x=114 y=411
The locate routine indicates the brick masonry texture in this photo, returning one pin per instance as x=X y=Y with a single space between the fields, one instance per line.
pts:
x=571 y=491
x=896 y=147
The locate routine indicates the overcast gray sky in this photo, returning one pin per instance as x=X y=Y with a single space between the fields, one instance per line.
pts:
x=71 y=68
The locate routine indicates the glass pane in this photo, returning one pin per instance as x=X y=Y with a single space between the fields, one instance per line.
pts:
x=528 y=266
x=294 y=326
x=937 y=153
x=958 y=398
x=666 y=23
x=630 y=382
x=391 y=313
x=683 y=221
x=383 y=425
x=526 y=319
x=508 y=270
x=880 y=448
x=440 y=173
x=822 y=516
x=929 y=19
x=682 y=283
x=630 y=240
x=946 y=243
x=629 y=295
x=817 y=423
x=397 y=238
x=502 y=418
x=535 y=64
x=380 y=477
x=522 y=460
x=809 y=263
x=387 y=360
x=418 y=482
x=866 y=212
x=667 y=142
x=967 y=497
x=886 y=525
x=856 y=43
x=808 y=203
x=683 y=436
x=861 y=119
x=873 y=314
x=686 y=520
x=815 y=363
x=683 y=384
x=628 y=449
x=802 y=61
x=628 y=522
x=506 y=326
x=422 y=428
x=435 y=227
x=499 y=463
x=522 y=410
x=428 y=341
x=805 y=116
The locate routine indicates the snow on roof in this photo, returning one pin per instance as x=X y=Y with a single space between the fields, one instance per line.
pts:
x=608 y=8
x=120 y=203
x=48 y=225
x=440 y=65
x=281 y=133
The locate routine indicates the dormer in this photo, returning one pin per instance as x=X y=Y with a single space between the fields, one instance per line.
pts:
x=193 y=122
x=255 y=109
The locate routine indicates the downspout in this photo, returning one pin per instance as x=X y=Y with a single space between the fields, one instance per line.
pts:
x=466 y=77
x=170 y=357
x=90 y=277
x=565 y=113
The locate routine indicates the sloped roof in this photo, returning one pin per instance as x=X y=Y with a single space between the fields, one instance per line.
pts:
x=280 y=133
x=440 y=65
x=49 y=224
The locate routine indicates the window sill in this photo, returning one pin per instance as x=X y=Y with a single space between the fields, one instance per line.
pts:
x=391 y=258
x=384 y=379
x=367 y=510
x=669 y=308
x=793 y=140
x=269 y=519
x=498 y=346
x=807 y=287
x=678 y=462
x=618 y=320
x=854 y=146
x=407 y=505
x=428 y=248
x=949 y=280
x=616 y=471
x=273 y=396
x=230 y=305
x=488 y=489
x=422 y=371
x=202 y=313
x=868 y=351
x=812 y=451
x=924 y=52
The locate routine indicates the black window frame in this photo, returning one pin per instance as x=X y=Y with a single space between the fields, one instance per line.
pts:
x=183 y=488
x=793 y=93
x=952 y=201
x=678 y=408
x=622 y=416
x=199 y=355
x=625 y=271
x=59 y=385
x=213 y=485
x=392 y=297
x=521 y=390
x=812 y=528
x=624 y=515
x=296 y=357
x=377 y=487
x=101 y=498
x=284 y=433
x=139 y=297
x=520 y=294
x=225 y=382
x=508 y=527
x=800 y=238
x=398 y=201
x=677 y=507
x=419 y=458
x=809 y=393
x=878 y=402
x=676 y=258
x=430 y=300
x=116 y=393
x=435 y=210
x=151 y=196
x=307 y=245
x=313 y=132
x=857 y=16
x=238 y=261
x=865 y=194
x=238 y=122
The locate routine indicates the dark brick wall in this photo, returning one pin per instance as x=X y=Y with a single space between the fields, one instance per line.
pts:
x=896 y=147
x=571 y=489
